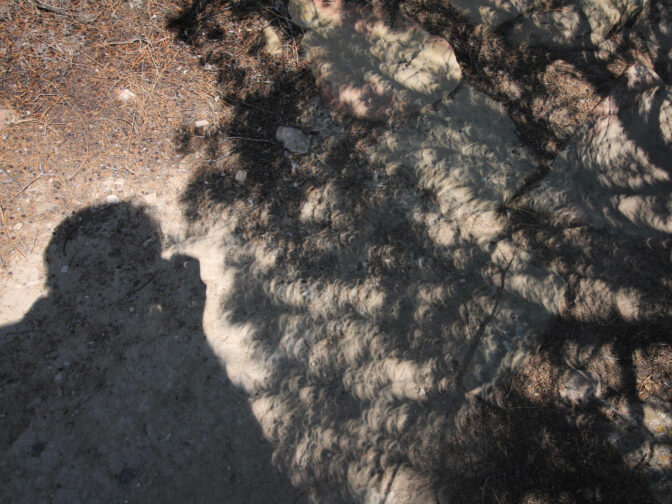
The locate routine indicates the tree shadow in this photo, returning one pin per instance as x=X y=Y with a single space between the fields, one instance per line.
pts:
x=368 y=306
x=356 y=311
x=549 y=92
x=110 y=390
x=651 y=36
x=614 y=174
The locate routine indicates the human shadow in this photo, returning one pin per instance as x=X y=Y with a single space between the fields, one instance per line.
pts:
x=109 y=389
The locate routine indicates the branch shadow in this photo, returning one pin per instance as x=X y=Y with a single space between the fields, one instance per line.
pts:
x=362 y=300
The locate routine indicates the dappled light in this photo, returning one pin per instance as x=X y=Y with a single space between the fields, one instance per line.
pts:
x=575 y=24
x=572 y=24
x=376 y=312
x=364 y=67
x=615 y=174
x=418 y=252
x=465 y=151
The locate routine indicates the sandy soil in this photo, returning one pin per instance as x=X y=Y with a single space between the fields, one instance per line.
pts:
x=461 y=293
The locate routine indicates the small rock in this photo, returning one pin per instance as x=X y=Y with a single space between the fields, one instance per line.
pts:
x=241 y=176
x=293 y=139
x=273 y=42
x=112 y=199
x=18 y=226
x=580 y=387
x=203 y=123
x=64 y=268
x=125 y=95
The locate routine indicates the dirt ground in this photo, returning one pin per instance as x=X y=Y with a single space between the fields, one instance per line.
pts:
x=412 y=311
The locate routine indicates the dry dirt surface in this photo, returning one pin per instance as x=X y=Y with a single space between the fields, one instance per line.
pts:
x=336 y=251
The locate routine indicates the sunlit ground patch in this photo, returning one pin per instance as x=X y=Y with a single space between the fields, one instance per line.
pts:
x=373 y=71
x=615 y=173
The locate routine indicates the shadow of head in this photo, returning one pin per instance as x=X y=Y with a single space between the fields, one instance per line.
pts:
x=104 y=266
x=104 y=246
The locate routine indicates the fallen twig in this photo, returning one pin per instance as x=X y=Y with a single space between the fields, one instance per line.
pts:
x=19 y=121
x=42 y=174
x=246 y=138
x=51 y=8
x=129 y=41
x=81 y=165
x=44 y=94
x=137 y=289
x=119 y=170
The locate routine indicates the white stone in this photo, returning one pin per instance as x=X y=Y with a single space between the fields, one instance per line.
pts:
x=125 y=95
x=241 y=176
x=293 y=139
x=273 y=41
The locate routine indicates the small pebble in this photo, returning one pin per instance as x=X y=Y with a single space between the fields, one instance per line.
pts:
x=293 y=139
x=125 y=95
x=241 y=176
x=112 y=199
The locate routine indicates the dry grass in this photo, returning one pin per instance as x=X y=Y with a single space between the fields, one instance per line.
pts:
x=63 y=70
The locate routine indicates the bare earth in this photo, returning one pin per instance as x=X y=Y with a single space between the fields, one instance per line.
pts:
x=447 y=279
